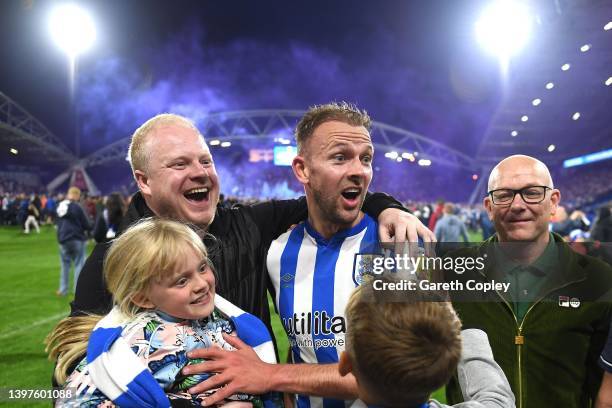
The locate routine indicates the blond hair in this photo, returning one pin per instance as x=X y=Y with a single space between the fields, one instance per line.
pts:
x=144 y=253
x=319 y=114
x=401 y=349
x=138 y=152
x=74 y=193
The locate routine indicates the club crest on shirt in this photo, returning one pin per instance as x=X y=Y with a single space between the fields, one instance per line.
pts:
x=363 y=265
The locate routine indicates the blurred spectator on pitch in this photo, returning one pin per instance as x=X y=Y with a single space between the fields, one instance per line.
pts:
x=50 y=210
x=436 y=214
x=602 y=226
x=109 y=218
x=486 y=225
x=564 y=225
x=32 y=218
x=72 y=225
x=450 y=230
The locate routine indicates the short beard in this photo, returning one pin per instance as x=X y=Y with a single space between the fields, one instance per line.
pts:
x=329 y=210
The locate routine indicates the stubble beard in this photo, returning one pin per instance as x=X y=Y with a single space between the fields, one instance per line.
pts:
x=331 y=211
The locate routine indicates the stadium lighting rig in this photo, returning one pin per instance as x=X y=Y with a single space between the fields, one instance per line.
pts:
x=72 y=29
x=504 y=28
x=550 y=85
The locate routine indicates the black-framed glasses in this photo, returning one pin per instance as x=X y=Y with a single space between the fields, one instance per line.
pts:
x=530 y=195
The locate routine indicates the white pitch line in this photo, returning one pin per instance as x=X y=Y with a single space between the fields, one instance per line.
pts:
x=28 y=326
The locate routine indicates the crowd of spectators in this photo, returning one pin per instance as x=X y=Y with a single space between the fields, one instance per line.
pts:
x=247 y=183
x=103 y=211
x=581 y=187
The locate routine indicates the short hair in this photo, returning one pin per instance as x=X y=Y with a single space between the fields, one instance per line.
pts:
x=138 y=151
x=319 y=114
x=74 y=192
x=401 y=349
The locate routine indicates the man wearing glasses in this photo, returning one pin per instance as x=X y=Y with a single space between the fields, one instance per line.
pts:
x=547 y=330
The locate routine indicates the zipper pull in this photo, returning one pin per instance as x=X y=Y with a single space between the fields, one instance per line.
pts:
x=519 y=340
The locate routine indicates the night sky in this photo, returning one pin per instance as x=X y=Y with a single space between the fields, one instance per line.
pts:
x=414 y=65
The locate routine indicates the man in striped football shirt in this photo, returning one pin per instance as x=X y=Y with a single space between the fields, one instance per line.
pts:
x=311 y=266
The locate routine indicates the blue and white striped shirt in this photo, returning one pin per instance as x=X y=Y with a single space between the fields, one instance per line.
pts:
x=313 y=280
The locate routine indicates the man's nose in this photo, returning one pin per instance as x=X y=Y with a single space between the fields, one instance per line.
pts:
x=357 y=168
x=518 y=203
x=199 y=170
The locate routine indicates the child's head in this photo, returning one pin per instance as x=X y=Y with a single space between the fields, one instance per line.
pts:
x=399 y=350
x=160 y=264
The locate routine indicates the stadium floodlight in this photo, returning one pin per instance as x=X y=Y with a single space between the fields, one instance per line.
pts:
x=399 y=159
x=504 y=28
x=72 y=29
x=608 y=81
x=391 y=155
x=424 y=162
x=13 y=150
x=585 y=47
x=524 y=118
x=576 y=116
x=226 y=144
x=551 y=148
x=565 y=67
x=550 y=85
x=536 y=102
x=215 y=142
x=608 y=26
x=514 y=133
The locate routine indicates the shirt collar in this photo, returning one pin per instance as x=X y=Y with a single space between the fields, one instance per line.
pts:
x=340 y=235
x=542 y=265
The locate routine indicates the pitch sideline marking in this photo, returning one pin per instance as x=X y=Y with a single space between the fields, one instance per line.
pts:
x=28 y=326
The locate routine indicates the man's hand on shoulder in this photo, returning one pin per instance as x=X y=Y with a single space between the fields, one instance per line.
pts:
x=399 y=227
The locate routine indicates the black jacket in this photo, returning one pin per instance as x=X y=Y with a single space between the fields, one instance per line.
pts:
x=242 y=236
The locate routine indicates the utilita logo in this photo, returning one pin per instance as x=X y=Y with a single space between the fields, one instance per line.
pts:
x=314 y=323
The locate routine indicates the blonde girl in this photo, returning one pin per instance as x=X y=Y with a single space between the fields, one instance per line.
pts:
x=163 y=289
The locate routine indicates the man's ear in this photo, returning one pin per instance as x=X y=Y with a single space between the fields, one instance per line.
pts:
x=344 y=365
x=300 y=169
x=142 y=300
x=487 y=205
x=143 y=182
x=555 y=199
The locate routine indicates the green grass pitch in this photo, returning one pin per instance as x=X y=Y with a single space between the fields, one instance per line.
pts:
x=29 y=309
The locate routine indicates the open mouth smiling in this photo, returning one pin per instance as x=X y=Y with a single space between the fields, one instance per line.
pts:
x=197 y=194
